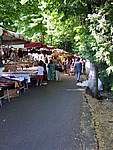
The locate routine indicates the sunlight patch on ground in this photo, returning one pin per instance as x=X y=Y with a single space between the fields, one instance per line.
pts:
x=72 y=90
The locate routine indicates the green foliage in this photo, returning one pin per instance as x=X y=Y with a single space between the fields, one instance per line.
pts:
x=26 y=19
x=101 y=29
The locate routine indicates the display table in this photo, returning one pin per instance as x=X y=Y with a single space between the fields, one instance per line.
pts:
x=23 y=76
x=13 y=82
x=18 y=75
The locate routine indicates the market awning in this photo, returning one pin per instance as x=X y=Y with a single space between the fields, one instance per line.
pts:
x=35 y=44
x=40 y=45
x=10 y=38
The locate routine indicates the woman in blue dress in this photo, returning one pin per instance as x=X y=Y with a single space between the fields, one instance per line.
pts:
x=51 y=70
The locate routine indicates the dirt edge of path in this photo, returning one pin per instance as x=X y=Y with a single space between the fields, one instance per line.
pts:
x=97 y=123
x=88 y=134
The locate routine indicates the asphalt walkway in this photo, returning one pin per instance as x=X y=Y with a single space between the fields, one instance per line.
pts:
x=43 y=118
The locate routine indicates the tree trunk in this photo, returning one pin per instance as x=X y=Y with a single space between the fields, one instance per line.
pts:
x=96 y=93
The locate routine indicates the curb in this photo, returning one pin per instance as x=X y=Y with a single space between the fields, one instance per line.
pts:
x=88 y=133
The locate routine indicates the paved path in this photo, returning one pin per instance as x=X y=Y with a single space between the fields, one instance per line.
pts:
x=44 y=118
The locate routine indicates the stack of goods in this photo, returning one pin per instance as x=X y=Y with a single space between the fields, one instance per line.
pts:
x=20 y=64
x=24 y=64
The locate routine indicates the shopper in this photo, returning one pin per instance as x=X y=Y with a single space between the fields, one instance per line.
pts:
x=58 y=69
x=78 y=68
x=51 y=70
x=40 y=73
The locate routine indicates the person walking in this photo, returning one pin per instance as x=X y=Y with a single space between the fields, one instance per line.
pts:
x=78 y=68
x=58 y=69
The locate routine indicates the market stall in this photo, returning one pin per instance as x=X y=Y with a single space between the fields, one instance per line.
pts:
x=11 y=81
x=21 y=59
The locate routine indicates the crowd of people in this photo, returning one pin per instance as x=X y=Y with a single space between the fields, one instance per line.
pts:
x=49 y=71
x=53 y=68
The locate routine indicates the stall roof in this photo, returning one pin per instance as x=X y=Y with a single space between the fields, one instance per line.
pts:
x=37 y=45
x=33 y=44
x=10 y=38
